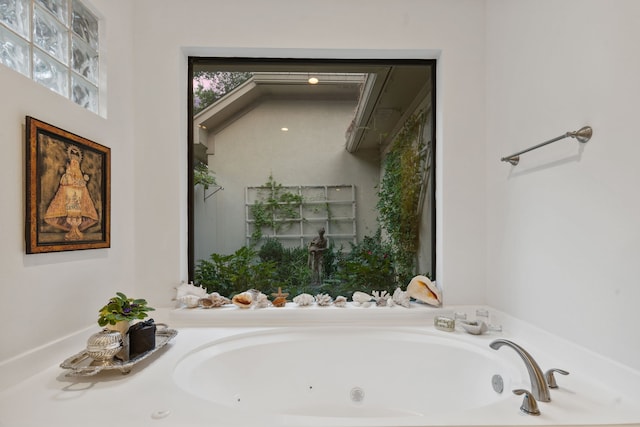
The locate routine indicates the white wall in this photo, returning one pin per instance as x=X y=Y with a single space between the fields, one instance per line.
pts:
x=46 y=296
x=563 y=240
x=166 y=32
x=553 y=241
x=312 y=152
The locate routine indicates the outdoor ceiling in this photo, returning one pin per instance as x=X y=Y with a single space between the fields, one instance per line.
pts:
x=387 y=94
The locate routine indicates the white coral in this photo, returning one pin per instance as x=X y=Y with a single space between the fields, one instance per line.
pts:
x=304 y=299
x=324 y=300
x=400 y=297
x=382 y=298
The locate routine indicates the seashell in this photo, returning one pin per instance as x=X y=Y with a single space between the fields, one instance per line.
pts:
x=190 y=289
x=190 y=301
x=382 y=298
x=104 y=345
x=254 y=294
x=324 y=300
x=361 y=297
x=303 y=300
x=423 y=289
x=242 y=300
x=475 y=328
x=205 y=302
x=279 y=302
x=279 y=293
x=400 y=297
x=261 y=300
x=340 y=301
x=218 y=300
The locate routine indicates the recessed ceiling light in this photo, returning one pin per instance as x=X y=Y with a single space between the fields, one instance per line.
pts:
x=313 y=80
x=284 y=129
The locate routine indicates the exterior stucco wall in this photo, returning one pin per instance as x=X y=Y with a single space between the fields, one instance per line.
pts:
x=311 y=152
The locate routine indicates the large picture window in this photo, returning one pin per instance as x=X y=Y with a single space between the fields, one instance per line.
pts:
x=55 y=43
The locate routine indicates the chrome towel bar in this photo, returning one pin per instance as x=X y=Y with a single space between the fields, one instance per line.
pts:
x=582 y=135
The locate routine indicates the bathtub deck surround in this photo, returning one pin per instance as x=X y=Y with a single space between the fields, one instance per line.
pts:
x=214 y=366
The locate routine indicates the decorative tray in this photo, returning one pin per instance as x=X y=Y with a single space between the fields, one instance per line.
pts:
x=83 y=365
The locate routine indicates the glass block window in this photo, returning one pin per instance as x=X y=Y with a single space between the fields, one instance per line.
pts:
x=55 y=43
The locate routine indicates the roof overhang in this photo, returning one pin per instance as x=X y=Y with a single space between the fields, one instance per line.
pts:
x=386 y=96
x=289 y=86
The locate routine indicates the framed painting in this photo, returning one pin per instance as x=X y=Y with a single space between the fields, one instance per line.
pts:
x=68 y=190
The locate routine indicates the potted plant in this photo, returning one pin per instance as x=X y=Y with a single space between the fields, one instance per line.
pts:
x=118 y=313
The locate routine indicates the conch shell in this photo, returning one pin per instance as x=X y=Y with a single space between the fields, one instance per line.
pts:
x=218 y=300
x=190 y=301
x=243 y=300
x=361 y=297
x=340 y=301
x=423 y=289
x=206 y=303
x=190 y=289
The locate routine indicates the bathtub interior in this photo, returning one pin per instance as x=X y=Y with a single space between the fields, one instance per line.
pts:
x=344 y=372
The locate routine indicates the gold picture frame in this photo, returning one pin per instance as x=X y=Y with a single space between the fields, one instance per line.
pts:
x=68 y=190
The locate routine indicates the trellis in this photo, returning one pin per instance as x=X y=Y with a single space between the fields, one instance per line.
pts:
x=330 y=206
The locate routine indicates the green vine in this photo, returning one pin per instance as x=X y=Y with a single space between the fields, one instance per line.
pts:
x=203 y=175
x=399 y=195
x=274 y=208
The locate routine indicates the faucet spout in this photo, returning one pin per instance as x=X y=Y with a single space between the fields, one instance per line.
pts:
x=539 y=388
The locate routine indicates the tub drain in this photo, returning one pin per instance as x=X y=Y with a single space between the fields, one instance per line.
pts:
x=357 y=394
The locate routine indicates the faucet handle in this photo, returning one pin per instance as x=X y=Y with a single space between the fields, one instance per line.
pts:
x=529 y=404
x=551 y=379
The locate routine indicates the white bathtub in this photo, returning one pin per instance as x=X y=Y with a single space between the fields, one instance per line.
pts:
x=382 y=376
x=398 y=370
x=344 y=376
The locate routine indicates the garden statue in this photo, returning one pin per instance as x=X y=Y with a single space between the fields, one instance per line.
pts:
x=315 y=260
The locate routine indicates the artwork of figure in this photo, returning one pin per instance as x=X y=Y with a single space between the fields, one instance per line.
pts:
x=315 y=259
x=72 y=208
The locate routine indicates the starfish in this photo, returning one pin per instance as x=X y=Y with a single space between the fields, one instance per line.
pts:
x=279 y=293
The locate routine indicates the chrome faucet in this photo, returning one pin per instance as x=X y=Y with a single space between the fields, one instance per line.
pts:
x=539 y=388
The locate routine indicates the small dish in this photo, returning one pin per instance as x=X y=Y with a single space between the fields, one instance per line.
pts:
x=475 y=327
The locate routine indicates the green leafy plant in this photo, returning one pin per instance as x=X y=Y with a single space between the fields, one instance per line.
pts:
x=204 y=176
x=399 y=195
x=276 y=206
x=235 y=273
x=121 y=308
x=210 y=86
x=292 y=272
x=369 y=266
